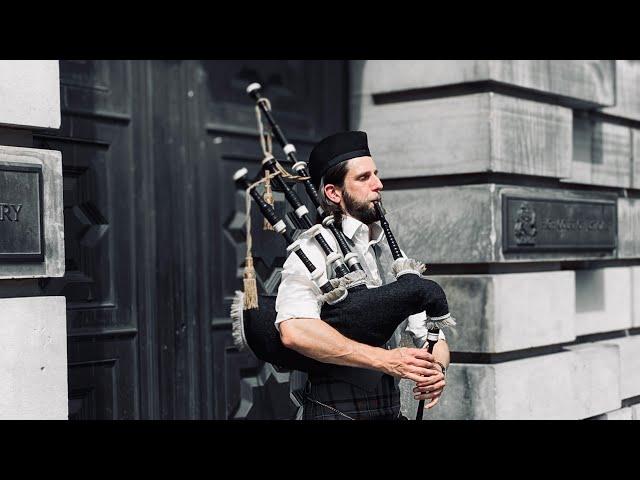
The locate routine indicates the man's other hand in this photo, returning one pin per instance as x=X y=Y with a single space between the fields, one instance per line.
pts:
x=430 y=388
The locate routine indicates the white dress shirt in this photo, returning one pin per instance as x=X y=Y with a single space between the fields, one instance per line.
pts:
x=298 y=295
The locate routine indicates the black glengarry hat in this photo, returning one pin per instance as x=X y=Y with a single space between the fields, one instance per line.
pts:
x=335 y=149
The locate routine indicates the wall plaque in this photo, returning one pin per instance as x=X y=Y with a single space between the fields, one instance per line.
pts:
x=539 y=224
x=21 y=219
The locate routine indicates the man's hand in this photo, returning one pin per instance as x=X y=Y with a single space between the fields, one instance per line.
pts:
x=430 y=388
x=411 y=363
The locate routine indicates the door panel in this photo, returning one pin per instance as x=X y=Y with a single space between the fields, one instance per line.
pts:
x=94 y=138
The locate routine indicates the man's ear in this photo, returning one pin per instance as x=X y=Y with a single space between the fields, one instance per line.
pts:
x=333 y=193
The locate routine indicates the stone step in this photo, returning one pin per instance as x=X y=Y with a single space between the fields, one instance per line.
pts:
x=581 y=382
x=590 y=81
x=483 y=132
x=464 y=224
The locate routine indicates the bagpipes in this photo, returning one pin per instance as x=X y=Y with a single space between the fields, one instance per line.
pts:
x=366 y=315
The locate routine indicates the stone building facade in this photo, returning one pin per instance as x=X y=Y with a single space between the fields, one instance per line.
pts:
x=474 y=150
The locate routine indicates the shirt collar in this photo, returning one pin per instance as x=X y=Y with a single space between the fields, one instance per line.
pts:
x=350 y=226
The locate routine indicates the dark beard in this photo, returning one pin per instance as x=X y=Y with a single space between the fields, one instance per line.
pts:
x=360 y=211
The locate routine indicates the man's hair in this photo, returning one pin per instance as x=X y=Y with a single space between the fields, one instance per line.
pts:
x=335 y=176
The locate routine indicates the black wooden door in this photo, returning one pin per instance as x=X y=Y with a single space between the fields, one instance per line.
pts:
x=154 y=230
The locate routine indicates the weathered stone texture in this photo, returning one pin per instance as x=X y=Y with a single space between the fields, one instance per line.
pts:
x=33 y=358
x=601 y=153
x=590 y=81
x=628 y=228
x=529 y=137
x=635 y=167
x=505 y=312
x=603 y=300
x=473 y=133
x=635 y=296
x=52 y=208
x=30 y=93
x=584 y=383
x=627 y=90
x=464 y=224
x=446 y=224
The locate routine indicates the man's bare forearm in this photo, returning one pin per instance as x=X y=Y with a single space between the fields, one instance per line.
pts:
x=317 y=339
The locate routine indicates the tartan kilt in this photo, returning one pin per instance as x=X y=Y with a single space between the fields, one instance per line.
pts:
x=383 y=403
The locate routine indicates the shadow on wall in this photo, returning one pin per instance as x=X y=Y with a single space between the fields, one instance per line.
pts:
x=589 y=291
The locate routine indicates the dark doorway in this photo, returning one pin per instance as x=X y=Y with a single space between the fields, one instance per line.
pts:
x=154 y=230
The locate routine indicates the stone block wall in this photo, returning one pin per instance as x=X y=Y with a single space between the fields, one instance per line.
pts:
x=544 y=333
x=33 y=332
x=33 y=358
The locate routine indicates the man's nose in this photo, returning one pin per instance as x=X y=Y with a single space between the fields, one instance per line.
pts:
x=377 y=185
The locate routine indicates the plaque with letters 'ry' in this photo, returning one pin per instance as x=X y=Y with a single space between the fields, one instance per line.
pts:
x=21 y=219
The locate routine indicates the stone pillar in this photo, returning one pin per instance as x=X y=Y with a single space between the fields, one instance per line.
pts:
x=33 y=334
x=514 y=180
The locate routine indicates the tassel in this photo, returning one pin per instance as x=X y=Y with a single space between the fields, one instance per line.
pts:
x=250 y=286
x=237 y=327
x=268 y=197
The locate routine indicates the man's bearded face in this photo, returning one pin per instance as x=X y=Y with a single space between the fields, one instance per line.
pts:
x=363 y=211
x=361 y=188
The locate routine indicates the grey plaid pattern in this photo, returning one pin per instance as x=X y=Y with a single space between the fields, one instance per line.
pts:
x=381 y=404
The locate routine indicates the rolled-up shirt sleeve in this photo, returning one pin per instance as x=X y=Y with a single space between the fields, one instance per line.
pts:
x=298 y=296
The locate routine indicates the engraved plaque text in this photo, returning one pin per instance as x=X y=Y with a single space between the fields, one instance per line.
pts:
x=536 y=224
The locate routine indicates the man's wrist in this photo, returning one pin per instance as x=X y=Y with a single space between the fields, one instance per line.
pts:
x=443 y=369
x=383 y=361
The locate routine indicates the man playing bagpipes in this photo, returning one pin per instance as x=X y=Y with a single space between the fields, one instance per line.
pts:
x=364 y=382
